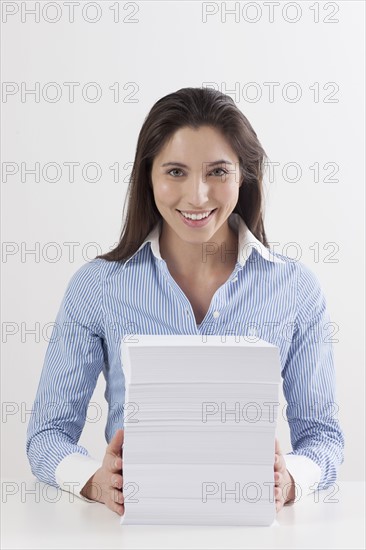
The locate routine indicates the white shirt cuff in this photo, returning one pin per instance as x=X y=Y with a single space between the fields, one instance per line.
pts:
x=306 y=474
x=74 y=471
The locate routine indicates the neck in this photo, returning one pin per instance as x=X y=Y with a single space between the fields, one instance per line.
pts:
x=199 y=260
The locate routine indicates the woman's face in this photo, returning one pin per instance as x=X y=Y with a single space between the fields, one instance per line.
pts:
x=209 y=180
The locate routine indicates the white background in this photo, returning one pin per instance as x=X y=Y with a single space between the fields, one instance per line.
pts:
x=168 y=47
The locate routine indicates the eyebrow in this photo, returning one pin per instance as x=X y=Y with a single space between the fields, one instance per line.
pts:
x=222 y=161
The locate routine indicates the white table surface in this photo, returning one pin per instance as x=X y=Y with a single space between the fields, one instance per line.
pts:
x=336 y=520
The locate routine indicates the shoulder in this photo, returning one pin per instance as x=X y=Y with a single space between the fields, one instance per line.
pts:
x=310 y=296
x=85 y=287
x=311 y=299
x=84 y=297
x=278 y=265
x=305 y=276
x=86 y=276
x=93 y=273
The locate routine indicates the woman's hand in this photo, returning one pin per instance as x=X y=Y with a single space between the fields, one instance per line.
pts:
x=284 y=482
x=106 y=484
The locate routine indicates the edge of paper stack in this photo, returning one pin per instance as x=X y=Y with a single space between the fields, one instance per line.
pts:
x=199 y=430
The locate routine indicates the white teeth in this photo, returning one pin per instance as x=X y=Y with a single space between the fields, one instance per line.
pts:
x=196 y=216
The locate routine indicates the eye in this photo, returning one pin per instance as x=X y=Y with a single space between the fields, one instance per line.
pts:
x=224 y=171
x=173 y=169
x=215 y=170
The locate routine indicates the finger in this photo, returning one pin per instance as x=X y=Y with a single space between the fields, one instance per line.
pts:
x=116 y=481
x=114 y=463
x=277 y=447
x=118 y=508
x=117 y=496
x=278 y=493
x=115 y=445
x=279 y=464
x=279 y=498
x=279 y=505
x=278 y=478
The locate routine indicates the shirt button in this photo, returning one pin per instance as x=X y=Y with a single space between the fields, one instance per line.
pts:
x=216 y=314
x=235 y=279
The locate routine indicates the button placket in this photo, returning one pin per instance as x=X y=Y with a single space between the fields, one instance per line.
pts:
x=173 y=286
x=216 y=312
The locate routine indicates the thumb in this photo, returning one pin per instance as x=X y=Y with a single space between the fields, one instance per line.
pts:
x=277 y=446
x=115 y=444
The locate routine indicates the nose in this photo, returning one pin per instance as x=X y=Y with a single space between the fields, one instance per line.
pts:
x=196 y=191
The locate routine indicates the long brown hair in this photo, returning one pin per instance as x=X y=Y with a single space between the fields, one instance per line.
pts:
x=192 y=107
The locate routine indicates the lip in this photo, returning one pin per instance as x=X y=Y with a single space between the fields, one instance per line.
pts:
x=197 y=223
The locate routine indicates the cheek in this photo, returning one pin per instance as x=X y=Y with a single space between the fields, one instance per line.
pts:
x=229 y=192
x=165 y=193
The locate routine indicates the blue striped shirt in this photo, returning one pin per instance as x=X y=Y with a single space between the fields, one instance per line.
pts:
x=267 y=296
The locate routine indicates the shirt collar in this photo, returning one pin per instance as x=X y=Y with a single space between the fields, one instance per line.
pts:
x=246 y=242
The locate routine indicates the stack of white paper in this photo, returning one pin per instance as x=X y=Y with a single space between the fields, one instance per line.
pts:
x=199 y=418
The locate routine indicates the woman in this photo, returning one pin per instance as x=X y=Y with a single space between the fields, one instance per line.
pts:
x=193 y=258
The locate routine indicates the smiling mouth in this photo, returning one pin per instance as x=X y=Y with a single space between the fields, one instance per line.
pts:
x=198 y=213
x=197 y=222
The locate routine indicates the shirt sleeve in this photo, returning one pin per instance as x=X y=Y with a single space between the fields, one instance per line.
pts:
x=74 y=471
x=72 y=364
x=309 y=388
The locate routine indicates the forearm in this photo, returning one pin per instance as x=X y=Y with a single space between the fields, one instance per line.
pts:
x=46 y=449
x=317 y=455
x=58 y=462
x=75 y=474
x=323 y=449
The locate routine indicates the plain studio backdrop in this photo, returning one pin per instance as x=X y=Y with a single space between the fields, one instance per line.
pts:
x=78 y=81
